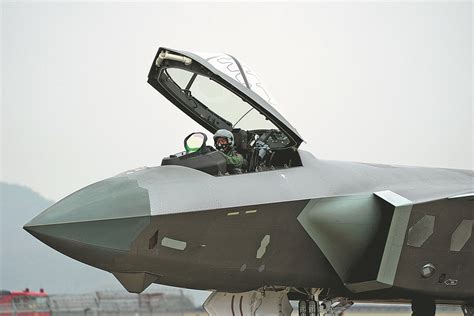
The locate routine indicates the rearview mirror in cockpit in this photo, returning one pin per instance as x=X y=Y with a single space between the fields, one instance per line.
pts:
x=195 y=142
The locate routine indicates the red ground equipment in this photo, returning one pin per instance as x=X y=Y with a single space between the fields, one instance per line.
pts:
x=24 y=303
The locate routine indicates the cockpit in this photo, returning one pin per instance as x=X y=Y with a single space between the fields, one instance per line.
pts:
x=219 y=92
x=255 y=147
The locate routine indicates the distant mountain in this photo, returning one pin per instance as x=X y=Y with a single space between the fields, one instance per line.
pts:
x=27 y=262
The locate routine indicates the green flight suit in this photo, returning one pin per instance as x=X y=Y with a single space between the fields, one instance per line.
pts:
x=234 y=160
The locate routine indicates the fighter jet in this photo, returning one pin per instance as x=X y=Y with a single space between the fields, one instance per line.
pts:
x=290 y=226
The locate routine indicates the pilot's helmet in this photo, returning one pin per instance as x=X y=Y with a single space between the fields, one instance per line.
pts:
x=223 y=139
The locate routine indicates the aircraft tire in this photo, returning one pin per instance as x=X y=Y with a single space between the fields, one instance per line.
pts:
x=308 y=308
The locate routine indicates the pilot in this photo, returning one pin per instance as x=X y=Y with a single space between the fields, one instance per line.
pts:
x=224 y=142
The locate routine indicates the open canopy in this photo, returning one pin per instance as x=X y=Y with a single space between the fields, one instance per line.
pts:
x=217 y=91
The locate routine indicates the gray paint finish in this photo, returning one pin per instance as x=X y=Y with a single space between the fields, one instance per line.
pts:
x=173 y=243
x=176 y=200
x=116 y=197
x=393 y=246
x=342 y=227
x=263 y=247
x=450 y=265
x=339 y=209
x=135 y=282
x=421 y=231
x=396 y=237
x=118 y=235
x=461 y=235
x=316 y=179
x=348 y=220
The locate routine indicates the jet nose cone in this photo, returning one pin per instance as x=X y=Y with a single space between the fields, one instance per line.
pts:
x=112 y=198
x=105 y=216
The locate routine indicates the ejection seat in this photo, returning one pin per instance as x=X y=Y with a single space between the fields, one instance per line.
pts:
x=241 y=145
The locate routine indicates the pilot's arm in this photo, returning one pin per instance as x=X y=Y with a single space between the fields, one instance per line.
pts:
x=234 y=159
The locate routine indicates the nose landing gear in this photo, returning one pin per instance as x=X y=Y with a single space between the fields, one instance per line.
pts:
x=328 y=307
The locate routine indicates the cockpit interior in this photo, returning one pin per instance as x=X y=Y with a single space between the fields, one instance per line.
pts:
x=220 y=93
x=261 y=150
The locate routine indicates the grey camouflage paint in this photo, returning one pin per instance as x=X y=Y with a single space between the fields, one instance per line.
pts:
x=195 y=208
x=325 y=224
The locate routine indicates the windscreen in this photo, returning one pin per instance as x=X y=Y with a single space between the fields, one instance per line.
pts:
x=219 y=100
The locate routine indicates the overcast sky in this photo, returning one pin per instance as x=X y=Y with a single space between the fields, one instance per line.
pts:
x=375 y=82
